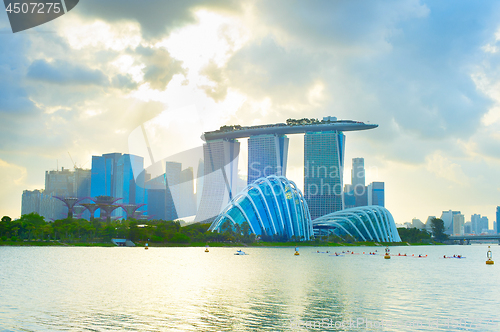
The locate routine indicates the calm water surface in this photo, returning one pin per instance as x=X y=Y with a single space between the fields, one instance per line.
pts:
x=186 y=289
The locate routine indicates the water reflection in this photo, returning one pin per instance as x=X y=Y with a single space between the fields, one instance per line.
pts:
x=172 y=289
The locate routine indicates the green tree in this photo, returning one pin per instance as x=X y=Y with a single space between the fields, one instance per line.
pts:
x=437 y=226
x=413 y=235
x=227 y=227
x=180 y=238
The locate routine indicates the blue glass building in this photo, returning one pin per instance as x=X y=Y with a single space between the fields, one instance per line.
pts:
x=272 y=206
x=498 y=220
x=112 y=175
x=323 y=171
x=102 y=178
x=376 y=194
x=267 y=155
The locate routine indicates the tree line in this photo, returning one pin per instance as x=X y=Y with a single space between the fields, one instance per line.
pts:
x=415 y=235
x=33 y=227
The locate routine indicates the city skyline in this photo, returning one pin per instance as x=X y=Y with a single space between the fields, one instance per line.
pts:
x=425 y=72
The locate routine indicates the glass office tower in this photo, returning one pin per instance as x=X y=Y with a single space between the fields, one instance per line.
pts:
x=220 y=177
x=103 y=179
x=323 y=172
x=376 y=194
x=112 y=175
x=267 y=155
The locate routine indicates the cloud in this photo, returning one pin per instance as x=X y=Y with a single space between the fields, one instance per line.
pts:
x=446 y=169
x=351 y=28
x=157 y=18
x=160 y=67
x=264 y=68
x=389 y=63
x=62 y=72
x=15 y=100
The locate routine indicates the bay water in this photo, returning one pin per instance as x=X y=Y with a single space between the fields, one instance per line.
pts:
x=270 y=289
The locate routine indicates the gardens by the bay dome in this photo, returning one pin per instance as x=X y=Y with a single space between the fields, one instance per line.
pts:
x=272 y=206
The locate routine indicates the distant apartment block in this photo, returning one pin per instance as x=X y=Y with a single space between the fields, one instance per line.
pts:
x=479 y=224
x=468 y=228
x=458 y=224
x=61 y=183
x=447 y=217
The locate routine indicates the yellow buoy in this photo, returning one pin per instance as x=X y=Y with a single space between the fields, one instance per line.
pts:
x=296 y=253
x=387 y=253
x=489 y=255
x=206 y=250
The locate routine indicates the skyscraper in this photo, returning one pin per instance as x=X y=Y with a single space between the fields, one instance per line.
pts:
x=484 y=224
x=376 y=193
x=103 y=179
x=447 y=217
x=59 y=183
x=126 y=186
x=199 y=182
x=358 y=191
x=155 y=196
x=479 y=224
x=220 y=177
x=62 y=183
x=113 y=175
x=172 y=187
x=458 y=224
x=187 y=204
x=323 y=172
x=498 y=220
x=267 y=155
x=358 y=172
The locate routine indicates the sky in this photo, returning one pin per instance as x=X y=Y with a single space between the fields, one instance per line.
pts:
x=427 y=72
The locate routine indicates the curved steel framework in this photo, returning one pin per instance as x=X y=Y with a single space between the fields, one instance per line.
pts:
x=272 y=206
x=365 y=223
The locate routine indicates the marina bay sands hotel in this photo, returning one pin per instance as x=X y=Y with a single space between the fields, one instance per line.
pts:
x=324 y=144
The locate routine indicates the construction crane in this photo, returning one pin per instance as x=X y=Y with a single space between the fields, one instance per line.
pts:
x=74 y=164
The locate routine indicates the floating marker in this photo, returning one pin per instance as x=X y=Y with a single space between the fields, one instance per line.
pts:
x=387 y=253
x=489 y=255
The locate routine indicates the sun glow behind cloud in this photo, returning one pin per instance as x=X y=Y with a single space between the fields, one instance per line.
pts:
x=98 y=34
x=213 y=39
